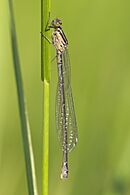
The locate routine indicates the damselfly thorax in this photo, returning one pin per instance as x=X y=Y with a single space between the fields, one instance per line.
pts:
x=59 y=40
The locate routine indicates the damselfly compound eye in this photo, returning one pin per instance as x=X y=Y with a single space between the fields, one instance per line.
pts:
x=56 y=23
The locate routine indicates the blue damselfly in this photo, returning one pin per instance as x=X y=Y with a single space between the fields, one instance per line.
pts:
x=65 y=113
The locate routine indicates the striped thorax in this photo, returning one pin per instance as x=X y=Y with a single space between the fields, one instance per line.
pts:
x=59 y=39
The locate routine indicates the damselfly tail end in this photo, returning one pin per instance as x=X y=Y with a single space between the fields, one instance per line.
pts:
x=64 y=171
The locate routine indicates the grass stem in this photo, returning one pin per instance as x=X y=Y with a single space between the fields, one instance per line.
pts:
x=45 y=76
x=25 y=127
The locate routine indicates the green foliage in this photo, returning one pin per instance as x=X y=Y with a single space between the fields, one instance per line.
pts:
x=98 y=34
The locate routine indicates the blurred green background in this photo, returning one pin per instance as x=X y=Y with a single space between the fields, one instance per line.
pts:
x=99 y=46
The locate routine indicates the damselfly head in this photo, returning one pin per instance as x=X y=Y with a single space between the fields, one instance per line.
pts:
x=56 y=23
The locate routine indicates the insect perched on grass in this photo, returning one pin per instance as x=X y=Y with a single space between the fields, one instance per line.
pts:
x=65 y=114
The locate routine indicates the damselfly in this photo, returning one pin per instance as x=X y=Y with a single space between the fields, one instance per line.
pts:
x=65 y=113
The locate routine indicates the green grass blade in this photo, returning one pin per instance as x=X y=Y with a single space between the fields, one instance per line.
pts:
x=26 y=135
x=45 y=76
x=45 y=138
x=45 y=46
